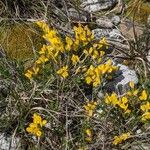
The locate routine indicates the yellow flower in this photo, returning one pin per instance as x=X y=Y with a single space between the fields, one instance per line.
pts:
x=88 y=135
x=34 y=129
x=43 y=50
x=135 y=92
x=146 y=116
x=74 y=59
x=41 y=60
x=112 y=99
x=93 y=76
x=90 y=107
x=38 y=120
x=88 y=132
x=119 y=139
x=35 y=70
x=123 y=106
x=69 y=43
x=145 y=107
x=131 y=84
x=63 y=72
x=143 y=95
x=29 y=74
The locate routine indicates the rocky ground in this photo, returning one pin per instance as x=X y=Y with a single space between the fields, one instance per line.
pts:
x=106 y=18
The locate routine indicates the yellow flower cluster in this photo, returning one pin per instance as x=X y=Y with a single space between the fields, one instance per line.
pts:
x=63 y=72
x=119 y=139
x=33 y=71
x=55 y=46
x=35 y=127
x=90 y=108
x=94 y=74
x=75 y=59
x=97 y=50
x=121 y=102
x=135 y=92
x=89 y=135
x=146 y=109
x=143 y=95
x=47 y=52
x=83 y=36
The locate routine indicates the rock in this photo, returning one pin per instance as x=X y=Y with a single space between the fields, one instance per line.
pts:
x=110 y=34
x=104 y=22
x=99 y=33
x=97 y=5
x=116 y=20
x=116 y=35
x=76 y=15
x=9 y=143
x=120 y=82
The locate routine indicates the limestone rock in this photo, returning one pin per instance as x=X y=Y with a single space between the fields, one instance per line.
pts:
x=110 y=34
x=116 y=20
x=97 y=5
x=76 y=15
x=9 y=143
x=104 y=22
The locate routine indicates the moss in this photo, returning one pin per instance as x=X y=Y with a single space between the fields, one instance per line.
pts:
x=20 y=41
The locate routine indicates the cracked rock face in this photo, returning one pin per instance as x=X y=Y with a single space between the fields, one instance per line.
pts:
x=97 y=5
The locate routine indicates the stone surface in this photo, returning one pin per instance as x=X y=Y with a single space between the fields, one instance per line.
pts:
x=104 y=22
x=7 y=143
x=110 y=34
x=98 y=5
x=77 y=15
x=116 y=20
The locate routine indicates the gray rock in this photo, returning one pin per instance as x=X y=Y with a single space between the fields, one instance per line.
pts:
x=99 y=33
x=120 y=82
x=97 y=5
x=115 y=35
x=7 y=143
x=104 y=22
x=116 y=20
x=110 y=34
x=77 y=15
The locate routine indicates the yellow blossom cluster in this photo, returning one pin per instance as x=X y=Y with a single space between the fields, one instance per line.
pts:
x=35 y=127
x=143 y=95
x=119 y=139
x=97 y=50
x=89 y=135
x=56 y=46
x=146 y=109
x=90 y=108
x=135 y=92
x=83 y=36
x=63 y=72
x=94 y=74
x=121 y=102
x=58 y=49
